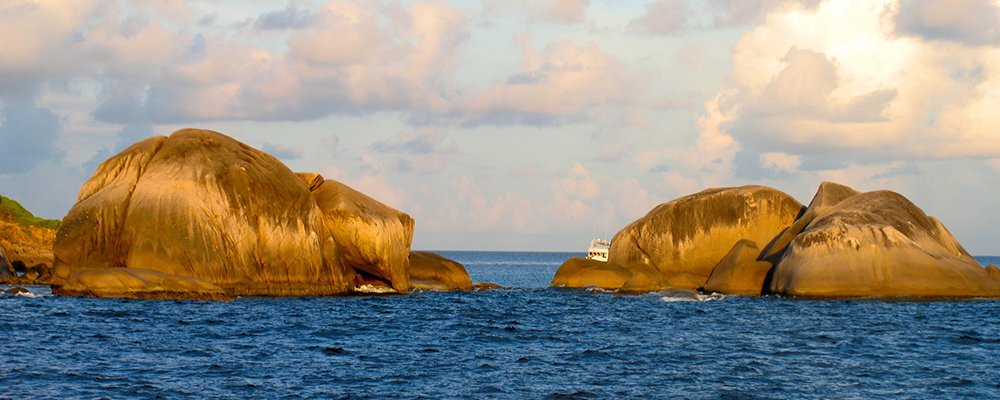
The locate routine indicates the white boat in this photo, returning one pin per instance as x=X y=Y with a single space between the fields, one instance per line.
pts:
x=599 y=249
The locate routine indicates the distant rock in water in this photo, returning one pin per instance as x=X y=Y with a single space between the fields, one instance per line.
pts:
x=431 y=271
x=679 y=243
x=17 y=290
x=578 y=272
x=181 y=216
x=878 y=244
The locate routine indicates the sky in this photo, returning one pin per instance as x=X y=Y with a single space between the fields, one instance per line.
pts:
x=516 y=124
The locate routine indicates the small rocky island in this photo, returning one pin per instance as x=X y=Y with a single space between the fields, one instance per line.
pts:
x=200 y=215
x=755 y=240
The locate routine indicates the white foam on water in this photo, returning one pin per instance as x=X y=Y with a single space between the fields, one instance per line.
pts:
x=374 y=289
x=28 y=295
x=691 y=297
x=595 y=289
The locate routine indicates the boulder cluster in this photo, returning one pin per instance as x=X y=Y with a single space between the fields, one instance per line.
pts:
x=199 y=215
x=754 y=240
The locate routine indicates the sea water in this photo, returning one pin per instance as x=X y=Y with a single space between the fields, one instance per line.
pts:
x=524 y=341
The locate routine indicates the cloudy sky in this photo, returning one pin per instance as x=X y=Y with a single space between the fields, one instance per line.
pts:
x=516 y=124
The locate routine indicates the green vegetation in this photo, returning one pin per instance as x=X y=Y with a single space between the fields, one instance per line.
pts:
x=11 y=210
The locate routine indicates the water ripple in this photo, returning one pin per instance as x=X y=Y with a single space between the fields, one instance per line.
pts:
x=527 y=341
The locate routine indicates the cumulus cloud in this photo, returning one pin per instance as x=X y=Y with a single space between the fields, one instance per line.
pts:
x=343 y=57
x=562 y=81
x=571 y=193
x=835 y=82
x=291 y=17
x=973 y=22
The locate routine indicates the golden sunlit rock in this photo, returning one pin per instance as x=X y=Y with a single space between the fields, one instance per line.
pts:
x=431 y=271
x=691 y=234
x=202 y=207
x=878 y=244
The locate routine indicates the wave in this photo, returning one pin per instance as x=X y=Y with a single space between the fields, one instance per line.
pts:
x=685 y=296
x=374 y=289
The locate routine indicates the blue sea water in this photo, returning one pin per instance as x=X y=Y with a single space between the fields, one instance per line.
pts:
x=526 y=341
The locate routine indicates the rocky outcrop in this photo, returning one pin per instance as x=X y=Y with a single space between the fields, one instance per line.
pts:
x=827 y=196
x=739 y=272
x=431 y=271
x=373 y=238
x=135 y=283
x=878 y=244
x=200 y=210
x=845 y=244
x=684 y=239
x=580 y=272
x=27 y=240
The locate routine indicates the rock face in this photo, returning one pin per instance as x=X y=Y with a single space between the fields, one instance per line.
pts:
x=739 y=272
x=691 y=234
x=135 y=283
x=431 y=271
x=877 y=244
x=6 y=270
x=200 y=210
x=373 y=238
x=827 y=196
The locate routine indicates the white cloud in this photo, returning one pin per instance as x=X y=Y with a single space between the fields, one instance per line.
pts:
x=563 y=80
x=781 y=162
x=837 y=80
x=662 y=17
x=571 y=195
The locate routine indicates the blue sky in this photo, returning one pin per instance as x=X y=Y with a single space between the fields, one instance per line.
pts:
x=522 y=125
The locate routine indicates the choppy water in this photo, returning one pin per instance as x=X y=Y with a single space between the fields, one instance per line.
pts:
x=525 y=342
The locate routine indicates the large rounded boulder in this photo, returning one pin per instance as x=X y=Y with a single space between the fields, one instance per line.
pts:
x=684 y=239
x=198 y=206
x=878 y=244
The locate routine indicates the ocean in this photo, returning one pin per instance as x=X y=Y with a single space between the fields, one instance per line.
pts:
x=524 y=341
